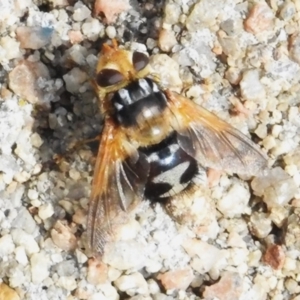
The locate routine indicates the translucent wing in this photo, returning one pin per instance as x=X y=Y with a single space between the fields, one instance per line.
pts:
x=213 y=142
x=118 y=185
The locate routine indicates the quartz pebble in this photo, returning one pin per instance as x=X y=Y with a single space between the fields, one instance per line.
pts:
x=63 y=237
x=21 y=238
x=205 y=255
x=177 y=279
x=260 y=19
x=235 y=201
x=133 y=284
x=39 y=263
x=81 y=12
x=23 y=80
x=167 y=40
x=230 y=287
x=45 y=211
x=251 y=87
x=74 y=79
x=277 y=187
x=125 y=255
x=6 y=245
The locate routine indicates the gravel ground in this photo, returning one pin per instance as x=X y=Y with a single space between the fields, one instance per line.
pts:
x=239 y=237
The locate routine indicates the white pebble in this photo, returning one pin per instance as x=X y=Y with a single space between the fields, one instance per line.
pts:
x=21 y=256
x=251 y=87
x=235 y=201
x=111 y=32
x=32 y=194
x=7 y=245
x=39 y=267
x=133 y=284
x=45 y=211
x=205 y=255
x=36 y=140
x=124 y=255
x=81 y=12
x=67 y=282
x=21 y=238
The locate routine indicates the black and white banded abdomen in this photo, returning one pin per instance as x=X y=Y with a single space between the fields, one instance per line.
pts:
x=171 y=169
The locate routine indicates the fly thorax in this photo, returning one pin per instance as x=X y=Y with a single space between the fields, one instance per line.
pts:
x=138 y=104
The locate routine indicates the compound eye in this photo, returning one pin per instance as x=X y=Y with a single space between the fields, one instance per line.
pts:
x=139 y=60
x=108 y=77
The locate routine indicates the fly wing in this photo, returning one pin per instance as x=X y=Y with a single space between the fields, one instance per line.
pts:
x=118 y=186
x=211 y=141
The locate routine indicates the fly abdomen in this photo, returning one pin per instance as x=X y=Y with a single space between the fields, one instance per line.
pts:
x=171 y=169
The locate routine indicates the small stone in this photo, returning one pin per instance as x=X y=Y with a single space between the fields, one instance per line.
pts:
x=113 y=274
x=205 y=256
x=21 y=238
x=167 y=70
x=254 y=258
x=288 y=10
x=23 y=80
x=260 y=224
x=92 y=29
x=36 y=140
x=204 y=14
x=261 y=131
x=21 y=256
x=32 y=194
x=235 y=240
x=11 y=48
x=25 y=221
x=153 y=286
x=292 y=286
x=230 y=287
x=7 y=293
x=81 y=12
x=75 y=36
x=233 y=75
x=128 y=231
x=111 y=32
x=133 y=284
x=67 y=282
x=81 y=257
x=125 y=255
x=7 y=245
x=45 y=211
x=260 y=18
x=279 y=215
x=235 y=201
x=177 y=279
x=39 y=267
x=166 y=40
x=274 y=257
x=294 y=47
x=276 y=187
x=79 y=217
x=172 y=13
x=251 y=87
x=97 y=271
x=63 y=237
x=34 y=37
x=74 y=79
x=111 y=9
